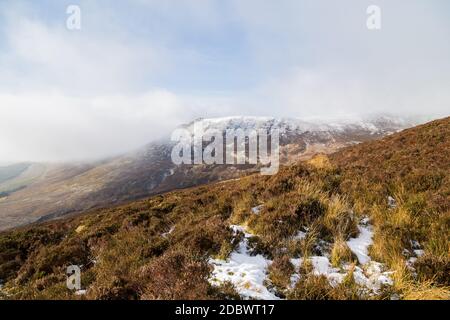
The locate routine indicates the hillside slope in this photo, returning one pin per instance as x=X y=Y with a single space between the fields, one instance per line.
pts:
x=369 y=222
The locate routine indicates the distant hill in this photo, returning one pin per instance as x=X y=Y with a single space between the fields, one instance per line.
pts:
x=11 y=171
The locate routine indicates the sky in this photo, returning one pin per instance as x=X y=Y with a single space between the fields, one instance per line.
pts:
x=136 y=69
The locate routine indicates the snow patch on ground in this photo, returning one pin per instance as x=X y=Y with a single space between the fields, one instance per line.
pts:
x=257 y=210
x=368 y=274
x=416 y=253
x=321 y=267
x=300 y=235
x=359 y=245
x=371 y=276
x=246 y=272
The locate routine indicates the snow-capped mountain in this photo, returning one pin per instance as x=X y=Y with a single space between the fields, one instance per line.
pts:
x=372 y=124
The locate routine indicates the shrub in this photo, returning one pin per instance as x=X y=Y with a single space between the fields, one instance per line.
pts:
x=339 y=220
x=117 y=265
x=311 y=287
x=176 y=275
x=433 y=268
x=226 y=291
x=280 y=272
x=116 y=287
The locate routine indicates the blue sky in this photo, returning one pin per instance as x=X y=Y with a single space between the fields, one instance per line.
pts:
x=138 y=68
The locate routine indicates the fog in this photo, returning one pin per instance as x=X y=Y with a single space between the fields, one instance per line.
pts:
x=136 y=70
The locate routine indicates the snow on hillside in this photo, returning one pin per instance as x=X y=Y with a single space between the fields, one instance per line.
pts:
x=368 y=274
x=359 y=246
x=375 y=124
x=248 y=273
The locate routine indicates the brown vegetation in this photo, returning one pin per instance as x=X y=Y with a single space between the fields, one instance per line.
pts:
x=128 y=252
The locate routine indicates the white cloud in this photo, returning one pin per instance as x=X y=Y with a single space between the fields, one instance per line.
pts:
x=78 y=62
x=321 y=58
x=53 y=126
x=78 y=95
